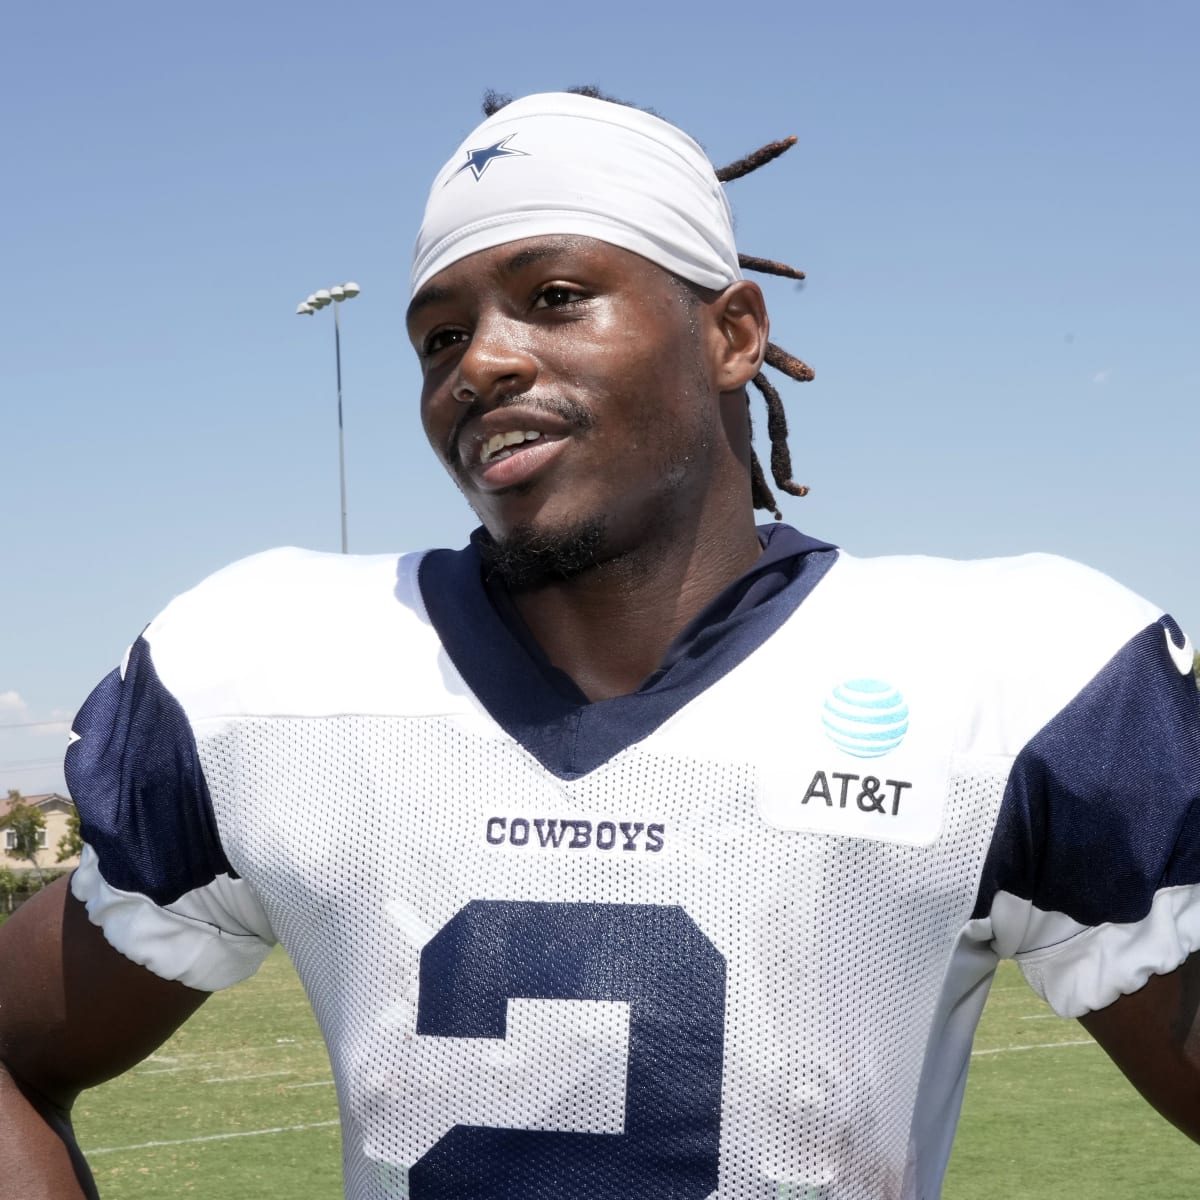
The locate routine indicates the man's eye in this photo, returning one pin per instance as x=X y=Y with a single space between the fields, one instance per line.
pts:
x=556 y=296
x=440 y=339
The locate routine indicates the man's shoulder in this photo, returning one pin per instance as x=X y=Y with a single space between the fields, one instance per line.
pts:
x=289 y=616
x=1020 y=616
x=986 y=651
x=1013 y=566
x=284 y=566
x=1034 y=585
x=291 y=580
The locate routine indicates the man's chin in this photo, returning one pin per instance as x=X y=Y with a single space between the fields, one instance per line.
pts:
x=529 y=557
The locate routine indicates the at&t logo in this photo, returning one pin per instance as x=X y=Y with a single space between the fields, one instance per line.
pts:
x=867 y=718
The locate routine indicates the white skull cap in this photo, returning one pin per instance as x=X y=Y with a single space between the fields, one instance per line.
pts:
x=560 y=163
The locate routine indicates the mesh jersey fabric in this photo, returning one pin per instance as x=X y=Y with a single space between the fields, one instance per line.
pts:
x=741 y=956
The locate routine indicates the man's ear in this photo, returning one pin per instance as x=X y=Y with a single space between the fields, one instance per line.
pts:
x=740 y=321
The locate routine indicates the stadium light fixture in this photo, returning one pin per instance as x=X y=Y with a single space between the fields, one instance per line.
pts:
x=314 y=303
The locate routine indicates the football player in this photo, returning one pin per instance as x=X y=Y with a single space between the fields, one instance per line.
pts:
x=632 y=850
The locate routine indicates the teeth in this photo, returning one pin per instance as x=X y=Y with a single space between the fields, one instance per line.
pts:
x=495 y=446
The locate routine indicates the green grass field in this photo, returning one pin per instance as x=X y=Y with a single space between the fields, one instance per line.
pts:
x=240 y=1102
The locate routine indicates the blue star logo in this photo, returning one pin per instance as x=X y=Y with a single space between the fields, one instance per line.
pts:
x=479 y=160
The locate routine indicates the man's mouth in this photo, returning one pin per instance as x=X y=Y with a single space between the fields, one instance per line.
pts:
x=510 y=445
x=504 y=445
x=514 y=457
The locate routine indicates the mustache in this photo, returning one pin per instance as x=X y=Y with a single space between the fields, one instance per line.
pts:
x=577 y=415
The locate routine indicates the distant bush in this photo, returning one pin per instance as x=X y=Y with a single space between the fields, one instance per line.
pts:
x=18 y=886
x=10 y=884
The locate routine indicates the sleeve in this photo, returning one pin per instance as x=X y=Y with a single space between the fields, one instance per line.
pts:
x=153 y=873
x=1092 y=880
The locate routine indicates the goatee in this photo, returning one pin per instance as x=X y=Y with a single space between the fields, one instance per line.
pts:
x=529 y=558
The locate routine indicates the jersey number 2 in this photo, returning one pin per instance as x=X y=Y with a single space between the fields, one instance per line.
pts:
x=655 y=958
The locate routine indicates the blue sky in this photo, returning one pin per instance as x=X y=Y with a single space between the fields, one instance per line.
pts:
x=996 y=206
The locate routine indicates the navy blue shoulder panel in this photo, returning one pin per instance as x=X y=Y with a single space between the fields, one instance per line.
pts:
x=134 y=774
x=567 y=735
x=1102 y=808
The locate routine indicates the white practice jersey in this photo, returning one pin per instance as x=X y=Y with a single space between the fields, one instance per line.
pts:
x=728 y=936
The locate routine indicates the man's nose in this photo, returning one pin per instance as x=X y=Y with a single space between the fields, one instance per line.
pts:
x=494 y=364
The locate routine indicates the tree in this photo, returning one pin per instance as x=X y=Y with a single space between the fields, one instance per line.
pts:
x=70 y=845
x=26 y=825
x=9 y=886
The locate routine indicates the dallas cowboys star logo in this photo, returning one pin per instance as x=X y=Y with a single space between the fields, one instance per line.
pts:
x=479 y=160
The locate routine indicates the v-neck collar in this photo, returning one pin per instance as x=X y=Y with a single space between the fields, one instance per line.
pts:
x=543 y=709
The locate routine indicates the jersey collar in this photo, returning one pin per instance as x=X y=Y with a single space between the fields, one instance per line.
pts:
x=543 y=709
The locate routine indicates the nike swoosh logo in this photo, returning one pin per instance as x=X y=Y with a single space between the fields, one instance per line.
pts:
x=1184 y=655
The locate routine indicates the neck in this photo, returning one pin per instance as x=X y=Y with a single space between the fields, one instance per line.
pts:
x=610 y=626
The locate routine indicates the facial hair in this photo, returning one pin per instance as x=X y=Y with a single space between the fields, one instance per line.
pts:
x=530 y=558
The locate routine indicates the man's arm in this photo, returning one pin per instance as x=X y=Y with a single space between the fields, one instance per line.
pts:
x=73 y=1013
x=1153 y=1035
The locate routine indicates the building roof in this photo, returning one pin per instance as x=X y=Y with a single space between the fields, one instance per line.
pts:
x=41 y=800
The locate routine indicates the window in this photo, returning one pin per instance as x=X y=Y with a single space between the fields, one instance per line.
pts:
x=10 y=839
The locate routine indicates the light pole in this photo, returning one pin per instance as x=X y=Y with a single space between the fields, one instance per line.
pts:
x=318 y=300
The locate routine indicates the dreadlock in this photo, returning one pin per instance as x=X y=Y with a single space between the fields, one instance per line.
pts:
x=776 y=357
